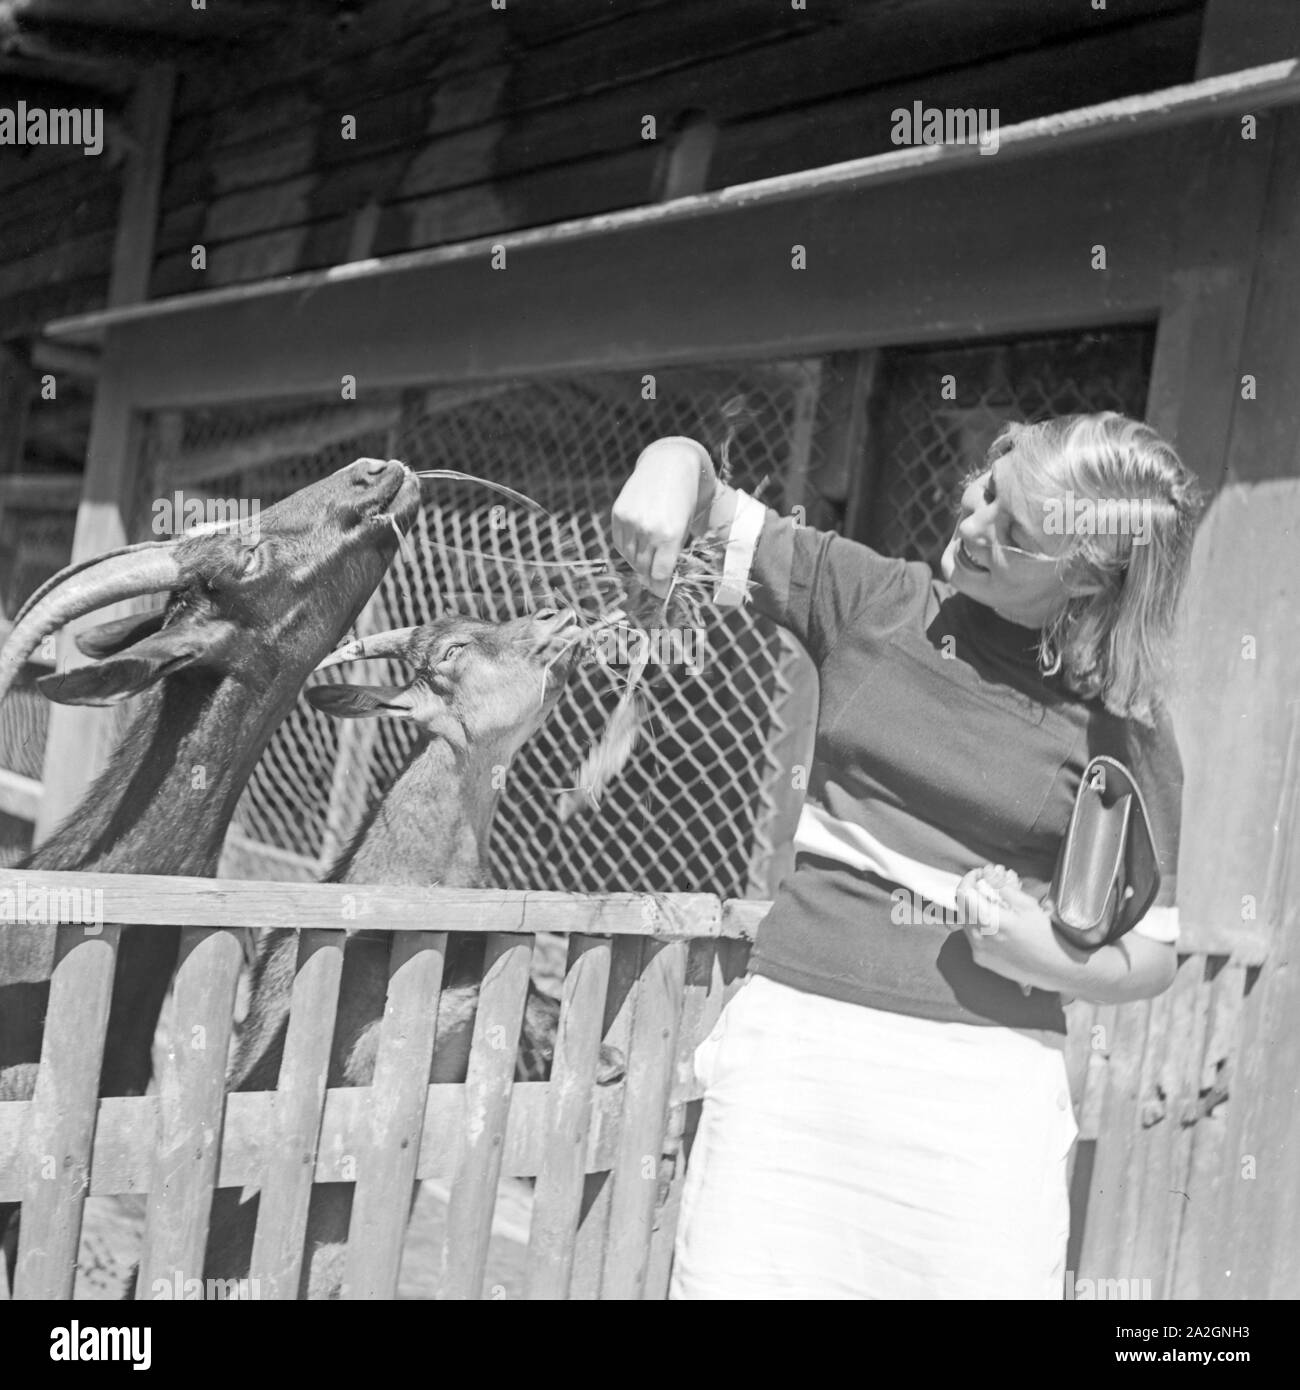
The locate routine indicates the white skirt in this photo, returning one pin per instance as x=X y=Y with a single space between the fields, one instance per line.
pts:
x=847 y=1152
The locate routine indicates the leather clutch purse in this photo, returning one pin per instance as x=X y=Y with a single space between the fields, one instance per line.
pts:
x=1107 y=874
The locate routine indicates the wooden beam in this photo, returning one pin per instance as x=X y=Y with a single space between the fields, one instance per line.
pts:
x=1254 y=89
x=80 y=738
x=159 y=901
x=48 y=356
x=20 y=796
x=1202 y=1226
x=149 y=120
x=901 y=264
x=126 y=1128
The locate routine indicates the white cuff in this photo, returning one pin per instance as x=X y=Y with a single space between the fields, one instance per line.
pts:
x=742 y=541
x=1160 y=924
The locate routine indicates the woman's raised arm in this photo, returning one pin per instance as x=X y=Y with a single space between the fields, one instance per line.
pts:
x=673 y=493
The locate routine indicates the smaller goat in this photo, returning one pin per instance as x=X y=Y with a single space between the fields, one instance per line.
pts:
x=479 y=691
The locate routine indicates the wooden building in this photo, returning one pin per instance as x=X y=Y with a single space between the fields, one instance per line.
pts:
x=470 y=233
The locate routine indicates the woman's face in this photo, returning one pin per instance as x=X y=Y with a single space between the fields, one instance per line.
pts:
x=1000 y=554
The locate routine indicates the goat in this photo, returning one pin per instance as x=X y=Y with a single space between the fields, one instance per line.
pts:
x=480 y=690
x=251 y=610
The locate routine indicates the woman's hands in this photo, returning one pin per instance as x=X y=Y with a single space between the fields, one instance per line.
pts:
x=672 y=483
x=1011 y=934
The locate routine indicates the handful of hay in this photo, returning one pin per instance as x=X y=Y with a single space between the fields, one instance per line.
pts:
x=633 y=609
x=682 y=608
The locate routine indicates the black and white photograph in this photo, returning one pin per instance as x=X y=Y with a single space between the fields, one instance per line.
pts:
x=650 y=651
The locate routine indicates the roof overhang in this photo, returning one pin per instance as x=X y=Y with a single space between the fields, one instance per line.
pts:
x=869 y=226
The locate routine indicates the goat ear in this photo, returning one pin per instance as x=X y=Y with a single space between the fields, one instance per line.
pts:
x=119 y=677
x=110 y=638
x=359 y=701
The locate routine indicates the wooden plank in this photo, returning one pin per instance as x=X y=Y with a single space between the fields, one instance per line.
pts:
x=19 y=796
x=489 y=1084
x=149 y=119
x=1018 y=273
x=1192 y=1106
x=557 y=1198
x=60 y=1132
x=299 y=1103
x=79 y=737
x=726 y=68
x=1175 y=1038
x=1260 y=1201
x=1107 y=1239
x=371 y=50
x=167 y=900
x=593 y=1229
x=127 y=1126
x=1213 y=1169
x=84 y=192
x=191 y=1100
x=651 y=1069
x=388 y=1163
x=72 y=258
x=741 y=916
x=1031 y=84
x=702 y=990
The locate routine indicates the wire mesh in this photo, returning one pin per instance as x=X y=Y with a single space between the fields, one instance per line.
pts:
x=684 y=811
x=940 y=408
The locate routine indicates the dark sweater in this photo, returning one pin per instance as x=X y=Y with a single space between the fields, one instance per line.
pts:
x=937 y=733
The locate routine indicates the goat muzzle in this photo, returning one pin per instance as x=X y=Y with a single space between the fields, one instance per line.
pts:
x=130 y=572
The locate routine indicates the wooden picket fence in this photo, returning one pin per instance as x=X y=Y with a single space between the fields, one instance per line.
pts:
x=647 y=974
x=1155 y=1196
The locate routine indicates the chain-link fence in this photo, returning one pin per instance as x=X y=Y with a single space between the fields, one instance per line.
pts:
x=938 y=410
x=688 y=810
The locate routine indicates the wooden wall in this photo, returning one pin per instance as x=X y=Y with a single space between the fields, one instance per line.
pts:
x=471 y=120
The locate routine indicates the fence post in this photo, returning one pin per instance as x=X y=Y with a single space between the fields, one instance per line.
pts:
x=650 y=1069
x=64 y=1108
x=191 y=1110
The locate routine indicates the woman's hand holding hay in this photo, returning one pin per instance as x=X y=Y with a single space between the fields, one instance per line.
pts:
x=667 y=497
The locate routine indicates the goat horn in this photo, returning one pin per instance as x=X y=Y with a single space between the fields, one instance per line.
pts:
x=54 y=581
x=390 y=643
x=82 y=588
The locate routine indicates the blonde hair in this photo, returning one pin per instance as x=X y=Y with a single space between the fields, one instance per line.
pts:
x=1114 y=639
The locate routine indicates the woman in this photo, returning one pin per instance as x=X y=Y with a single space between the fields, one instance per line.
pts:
x=886 y=1108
